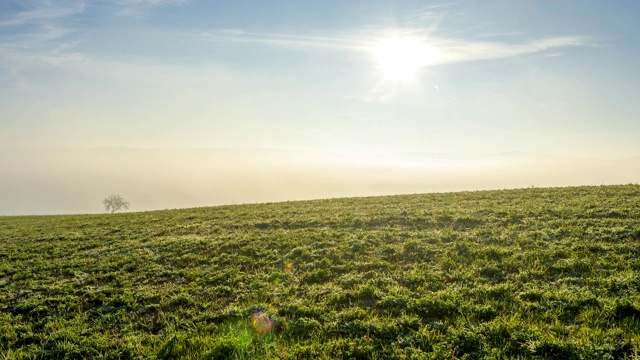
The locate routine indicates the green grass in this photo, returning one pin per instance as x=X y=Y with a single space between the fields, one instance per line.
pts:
x=528 y=274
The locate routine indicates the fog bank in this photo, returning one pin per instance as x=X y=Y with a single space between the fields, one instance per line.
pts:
x=75 y=181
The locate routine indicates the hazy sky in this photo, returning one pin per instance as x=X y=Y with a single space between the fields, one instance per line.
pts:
x=354 y=78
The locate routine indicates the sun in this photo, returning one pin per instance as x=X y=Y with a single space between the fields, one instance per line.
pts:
x=400 y=58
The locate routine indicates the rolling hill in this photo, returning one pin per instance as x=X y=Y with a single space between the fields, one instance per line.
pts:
x=536 y=273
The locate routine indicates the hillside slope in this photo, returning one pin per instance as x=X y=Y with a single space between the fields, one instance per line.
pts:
x=529 y=273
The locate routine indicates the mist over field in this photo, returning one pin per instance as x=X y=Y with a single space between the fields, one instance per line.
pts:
x=180 y=103
x=76 y=181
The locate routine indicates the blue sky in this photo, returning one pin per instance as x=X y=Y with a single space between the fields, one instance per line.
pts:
x=535 y=76
x=555 y=78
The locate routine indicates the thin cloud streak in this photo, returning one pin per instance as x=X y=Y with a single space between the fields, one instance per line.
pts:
x=48 y=46
x=141 y=7
x=456 y=51
x=451 y=50
x=43 y=11
x=451 y=97
x=339 y=43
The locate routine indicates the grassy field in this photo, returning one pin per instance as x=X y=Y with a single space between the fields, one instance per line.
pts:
x=530 y=274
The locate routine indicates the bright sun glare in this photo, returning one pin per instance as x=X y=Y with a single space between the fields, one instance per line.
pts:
x=400 y=58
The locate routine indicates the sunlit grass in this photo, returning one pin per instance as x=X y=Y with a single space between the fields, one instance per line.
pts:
x=529 y=274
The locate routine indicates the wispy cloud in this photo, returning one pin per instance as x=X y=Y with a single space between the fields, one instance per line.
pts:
x=329 y=42
x=17 y=61
x=455 y=51
x=498 y=34
x=452 y=50
x=141 y=7
x=376 y=96
x=44 y=40
x=440 y=10
x=47 y=39
x=40 y=11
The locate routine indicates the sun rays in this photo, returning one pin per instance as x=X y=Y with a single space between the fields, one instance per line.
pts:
x=401 y=58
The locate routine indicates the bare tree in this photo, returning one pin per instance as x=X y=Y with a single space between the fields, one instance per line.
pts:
x=115 y=203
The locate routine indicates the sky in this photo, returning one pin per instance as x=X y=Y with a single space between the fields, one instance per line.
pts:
x=226 y=102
